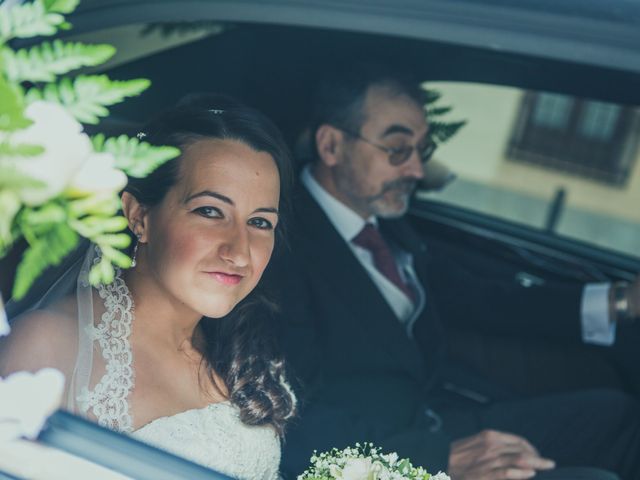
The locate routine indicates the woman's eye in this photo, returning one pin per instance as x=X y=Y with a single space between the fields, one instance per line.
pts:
x=209 y=212
x=261 y=223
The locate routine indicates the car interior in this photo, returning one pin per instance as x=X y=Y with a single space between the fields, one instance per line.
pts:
x=274 y=68
x=535 y=192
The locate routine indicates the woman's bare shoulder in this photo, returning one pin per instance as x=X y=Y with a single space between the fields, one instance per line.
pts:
x=42 y=338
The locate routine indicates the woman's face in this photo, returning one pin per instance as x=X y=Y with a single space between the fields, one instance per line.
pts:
x=209 y=240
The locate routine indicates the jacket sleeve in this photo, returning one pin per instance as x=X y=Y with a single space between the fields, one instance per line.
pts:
x=478 y=300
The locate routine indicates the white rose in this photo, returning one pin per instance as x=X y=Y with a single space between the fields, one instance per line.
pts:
x=66 y=149
x=27 y=400
x=98 y=175
x=357 y=469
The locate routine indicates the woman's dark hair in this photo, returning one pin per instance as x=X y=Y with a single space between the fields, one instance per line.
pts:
x=240 y=347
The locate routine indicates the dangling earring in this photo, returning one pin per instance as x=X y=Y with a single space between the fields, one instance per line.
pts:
x=135 y=250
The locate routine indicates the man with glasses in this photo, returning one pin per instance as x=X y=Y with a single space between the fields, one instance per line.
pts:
x=360 y=325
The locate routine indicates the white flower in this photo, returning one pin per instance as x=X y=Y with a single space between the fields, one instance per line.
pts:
x=380 y=472
x=392 y=458
x=357 y=469
x=440 y=476
x=66 y=149
x=27 y=400
x=98 y=175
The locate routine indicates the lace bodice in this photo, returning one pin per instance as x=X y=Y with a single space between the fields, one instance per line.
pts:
x=213 y=436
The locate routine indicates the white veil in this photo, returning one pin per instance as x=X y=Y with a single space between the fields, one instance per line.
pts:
x=72 y=276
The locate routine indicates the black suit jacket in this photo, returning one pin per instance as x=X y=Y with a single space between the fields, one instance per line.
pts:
x=358 y=375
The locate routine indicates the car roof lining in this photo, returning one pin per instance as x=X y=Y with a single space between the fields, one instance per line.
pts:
x=274 y=68
x=596 y=32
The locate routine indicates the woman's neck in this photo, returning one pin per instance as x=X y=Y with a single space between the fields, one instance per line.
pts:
x=160 y=317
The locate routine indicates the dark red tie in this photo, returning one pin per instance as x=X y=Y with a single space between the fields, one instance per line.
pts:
x=370 y=239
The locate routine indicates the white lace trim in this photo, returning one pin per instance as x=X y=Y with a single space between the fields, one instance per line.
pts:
x=108 y=401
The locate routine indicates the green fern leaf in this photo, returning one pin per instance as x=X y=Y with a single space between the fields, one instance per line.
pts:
x=135 y=158
x=21 y=150
x=28 y=20
x=44 y=218
x=94 y=205
x=43 y=62
x=95 y=225
x=10 y=205
x=12 y=112
x=431 y=96
x=438 y=111
x=47 y=250
x=13 y=179
x=441 y=132
x=86 y=97
x=116 y=240
x=103 y=272
x=61 y=6
x=115 y=256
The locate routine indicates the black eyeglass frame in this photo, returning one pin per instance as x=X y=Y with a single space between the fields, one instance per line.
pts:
x=404 y=153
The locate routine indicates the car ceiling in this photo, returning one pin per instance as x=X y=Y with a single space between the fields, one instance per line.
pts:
x=276 y=49
x=599 y=32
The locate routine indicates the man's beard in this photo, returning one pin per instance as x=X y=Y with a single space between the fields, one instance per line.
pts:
x=384 y=207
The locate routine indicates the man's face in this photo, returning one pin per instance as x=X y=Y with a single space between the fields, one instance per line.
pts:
x=364 y=178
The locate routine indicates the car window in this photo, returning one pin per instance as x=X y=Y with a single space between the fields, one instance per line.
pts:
x=555 y=162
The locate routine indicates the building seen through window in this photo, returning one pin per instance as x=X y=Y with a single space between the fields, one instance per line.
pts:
x=520 y=151
x=585 y=137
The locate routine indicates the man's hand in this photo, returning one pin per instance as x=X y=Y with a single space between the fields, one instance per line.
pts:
x=493 y=455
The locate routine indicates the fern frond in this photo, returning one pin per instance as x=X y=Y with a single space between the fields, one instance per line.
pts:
x=13 y=179
x=43 y=62
x=61 y=6
x=87 y=97
x=441 y=132
x=135 y=158
x=21 y=150
x=431 y=96
x=10 y=205
x=438 y=111
x=49 y=249
x=12 y=113
x=103 y=272
x=28 y=20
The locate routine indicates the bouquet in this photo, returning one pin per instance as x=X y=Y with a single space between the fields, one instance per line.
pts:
x=364 y=462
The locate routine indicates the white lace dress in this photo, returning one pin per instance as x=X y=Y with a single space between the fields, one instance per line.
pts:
x=212 y=436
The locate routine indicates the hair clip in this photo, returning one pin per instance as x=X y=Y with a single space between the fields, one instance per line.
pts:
x=216 y=111
x=141 y=135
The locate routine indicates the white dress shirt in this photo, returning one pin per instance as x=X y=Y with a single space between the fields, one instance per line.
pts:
x=349 y=224
x=594 y=308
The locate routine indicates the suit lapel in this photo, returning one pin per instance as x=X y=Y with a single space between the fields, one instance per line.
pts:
x=351 y=284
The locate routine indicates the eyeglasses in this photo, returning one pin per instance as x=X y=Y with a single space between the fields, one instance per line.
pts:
x=399 y=155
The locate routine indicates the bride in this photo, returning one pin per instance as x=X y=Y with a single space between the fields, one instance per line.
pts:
x=177 y=351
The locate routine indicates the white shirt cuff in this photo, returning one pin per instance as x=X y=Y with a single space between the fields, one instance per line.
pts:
x=597 y=329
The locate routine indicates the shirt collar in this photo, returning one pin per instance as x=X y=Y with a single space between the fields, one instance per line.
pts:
x=347 y=222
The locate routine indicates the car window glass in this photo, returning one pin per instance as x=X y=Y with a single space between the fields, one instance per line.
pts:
x=524 y=155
